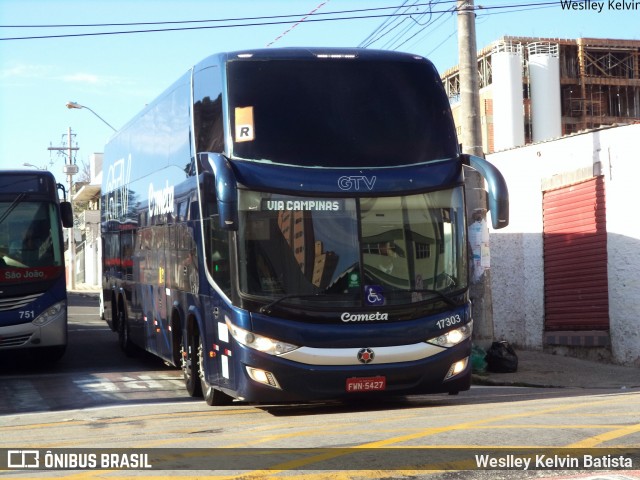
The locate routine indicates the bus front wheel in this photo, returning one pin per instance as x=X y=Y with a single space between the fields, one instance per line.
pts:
x=47 y=355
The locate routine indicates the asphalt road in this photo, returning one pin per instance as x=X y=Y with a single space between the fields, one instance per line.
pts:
x=92 y=372
x=98 y=401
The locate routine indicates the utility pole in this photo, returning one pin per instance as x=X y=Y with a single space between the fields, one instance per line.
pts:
x=468 y=70
x=471 y=138
x=70 y=169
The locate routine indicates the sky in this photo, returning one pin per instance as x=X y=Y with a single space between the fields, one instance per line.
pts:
x=115 y=74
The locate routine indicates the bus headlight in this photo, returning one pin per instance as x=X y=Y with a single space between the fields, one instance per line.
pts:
x=259 y=342
x=453 y=337
x=457 y=368
x=50 y=314
x=264 y=377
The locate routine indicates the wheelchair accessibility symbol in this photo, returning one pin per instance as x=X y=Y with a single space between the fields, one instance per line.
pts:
x=374 y=295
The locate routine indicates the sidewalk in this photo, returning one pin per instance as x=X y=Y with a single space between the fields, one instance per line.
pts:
x=539 y=369
x=84 y=288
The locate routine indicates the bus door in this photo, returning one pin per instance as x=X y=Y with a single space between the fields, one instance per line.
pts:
x=224 y=363
x=218 y=264
x=216 y=342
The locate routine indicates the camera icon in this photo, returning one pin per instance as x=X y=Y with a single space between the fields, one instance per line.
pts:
x=23 y=459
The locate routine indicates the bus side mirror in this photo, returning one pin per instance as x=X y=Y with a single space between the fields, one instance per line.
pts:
x=498 y=191
x=66 y=214
x=226 y=189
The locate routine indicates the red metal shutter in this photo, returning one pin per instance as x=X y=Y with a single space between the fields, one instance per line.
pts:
x=575 y=257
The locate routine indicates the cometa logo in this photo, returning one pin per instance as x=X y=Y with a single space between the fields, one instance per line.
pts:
x=364 y=317
x=160 y=201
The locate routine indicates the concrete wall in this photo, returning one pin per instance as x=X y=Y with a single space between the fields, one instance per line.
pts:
x=517 y=278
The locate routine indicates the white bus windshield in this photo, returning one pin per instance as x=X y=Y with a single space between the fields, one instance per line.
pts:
x=29 y=235
x=359 y=251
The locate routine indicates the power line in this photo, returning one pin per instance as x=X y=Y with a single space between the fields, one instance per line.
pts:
x=435 y=25
x=387 y=27
x=385 y=24
x=451 y=10
x=297 y=23
x=179 y=22
x=479 y=16
x=518 y=9
x=236 y=25
x=411 y=31
x=440 y=44
x=265 y=21
x=410 y=24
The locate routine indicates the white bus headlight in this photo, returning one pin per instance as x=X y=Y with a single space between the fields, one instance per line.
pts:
x=453 y=337
x=50 y=314
x=259 y=342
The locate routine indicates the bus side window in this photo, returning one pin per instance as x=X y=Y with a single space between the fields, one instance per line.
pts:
x=218 y=254
x=111 y=253
x=194 y=211
x=207 y=110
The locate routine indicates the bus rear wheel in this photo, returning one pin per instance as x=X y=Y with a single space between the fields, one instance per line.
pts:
x=124 y=338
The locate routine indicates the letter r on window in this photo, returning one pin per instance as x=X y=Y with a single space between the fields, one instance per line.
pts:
x=244 y=133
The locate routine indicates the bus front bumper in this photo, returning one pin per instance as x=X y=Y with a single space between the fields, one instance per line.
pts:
x=266 y=378
x=47 y=330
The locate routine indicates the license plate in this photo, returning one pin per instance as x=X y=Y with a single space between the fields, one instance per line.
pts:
x=366 y=384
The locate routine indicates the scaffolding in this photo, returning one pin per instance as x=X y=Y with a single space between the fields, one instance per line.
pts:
x=599 y=81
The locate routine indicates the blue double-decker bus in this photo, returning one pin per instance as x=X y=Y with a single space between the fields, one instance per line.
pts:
x=289 y=225
x=33 y=294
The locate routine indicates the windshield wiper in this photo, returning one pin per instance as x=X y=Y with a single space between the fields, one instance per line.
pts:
x=267 y=309
x=437 y=293
x=13 y=205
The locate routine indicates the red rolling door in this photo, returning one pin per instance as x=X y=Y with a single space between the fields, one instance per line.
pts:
x=575 y=257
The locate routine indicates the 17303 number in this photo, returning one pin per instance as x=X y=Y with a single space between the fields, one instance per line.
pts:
x=449 y=321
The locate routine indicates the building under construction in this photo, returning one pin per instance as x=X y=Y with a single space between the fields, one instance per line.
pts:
x=535 y=89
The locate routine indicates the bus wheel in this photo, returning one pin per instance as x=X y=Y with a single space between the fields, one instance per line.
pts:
x=189 y=363
x=55 y=353
x=211 y=395
x=123 y=334
x=47 y=355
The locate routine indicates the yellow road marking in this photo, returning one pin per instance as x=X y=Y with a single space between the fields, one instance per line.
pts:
x=389 y=442
x=605 y=437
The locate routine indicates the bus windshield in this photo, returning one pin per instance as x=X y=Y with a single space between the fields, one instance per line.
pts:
x=339 y=112
x=359 y=251
x=29 y=235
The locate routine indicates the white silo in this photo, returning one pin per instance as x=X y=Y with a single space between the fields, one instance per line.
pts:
x=544 y=84
x=508 y=110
